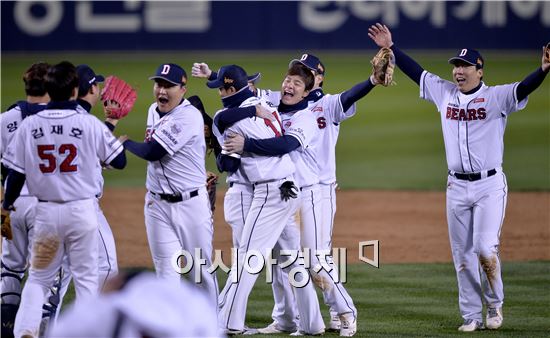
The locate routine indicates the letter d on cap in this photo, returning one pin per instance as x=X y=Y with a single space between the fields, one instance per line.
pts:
x=165 y=69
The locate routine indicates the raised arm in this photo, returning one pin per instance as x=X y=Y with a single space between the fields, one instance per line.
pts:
x=534 y=80
x=381 y=35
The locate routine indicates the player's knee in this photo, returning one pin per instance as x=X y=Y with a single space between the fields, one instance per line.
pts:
x=484 y=250
x=44 y=250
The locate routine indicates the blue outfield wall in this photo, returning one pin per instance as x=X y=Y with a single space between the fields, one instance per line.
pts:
x=253 y=25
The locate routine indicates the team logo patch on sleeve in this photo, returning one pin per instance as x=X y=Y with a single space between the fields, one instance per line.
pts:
x=175 y=129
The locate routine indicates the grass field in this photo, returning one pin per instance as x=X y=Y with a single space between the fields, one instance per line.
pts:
x=393 y=142
x=421 y=300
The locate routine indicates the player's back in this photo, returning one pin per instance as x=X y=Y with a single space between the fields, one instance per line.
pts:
x=62 y=149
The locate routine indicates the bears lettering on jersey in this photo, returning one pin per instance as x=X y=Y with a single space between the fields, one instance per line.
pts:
x=465 y=115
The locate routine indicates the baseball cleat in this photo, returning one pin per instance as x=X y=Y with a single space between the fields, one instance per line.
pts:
x=303 y=333
x=494 y=318
x=334 y=325
x=275 y=328
x=348 y=326
x=470 y=325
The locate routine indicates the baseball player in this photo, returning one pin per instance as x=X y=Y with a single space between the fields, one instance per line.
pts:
x=329 y=111
x=302 y=142
x=177 y=210
x=88 y=97
x=56 y=151
x=15 y=251
x=138 y=304
x=473 y=118
x=273 y=202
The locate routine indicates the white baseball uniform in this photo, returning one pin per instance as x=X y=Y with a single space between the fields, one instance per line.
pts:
x=177 y=209
x=318 y=212
x=304 y=127
x=265 y=227
x=145 y=307
x=58 y=150
x=473 y=130
x=107 y=260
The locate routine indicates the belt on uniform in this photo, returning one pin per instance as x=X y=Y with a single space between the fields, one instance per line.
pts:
x=231 y=184
x=472 y=176
x=306 y=187
x=174 y=198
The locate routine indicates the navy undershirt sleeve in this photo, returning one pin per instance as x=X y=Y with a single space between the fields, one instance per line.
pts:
x=410 y=67
x=349 y=97
x=110 y=126
x=5 y=172
x=274 y=146
x=150 y=151
x=530 y=83
x=227 y=163
x=15 y=183
x=230 y=116
x=119 y=162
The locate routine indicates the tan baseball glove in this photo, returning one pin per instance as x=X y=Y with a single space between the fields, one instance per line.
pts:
x=383 y=65
x=547 y=53
x=6 y=225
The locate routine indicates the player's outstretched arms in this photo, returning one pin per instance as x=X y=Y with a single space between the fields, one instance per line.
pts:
x=352 y=95
x=535 y=79
x=274 y=146
x=381 y=35
x=201 y=70
x=149 y=151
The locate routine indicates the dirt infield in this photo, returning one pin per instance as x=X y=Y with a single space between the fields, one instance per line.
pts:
x=410 y=226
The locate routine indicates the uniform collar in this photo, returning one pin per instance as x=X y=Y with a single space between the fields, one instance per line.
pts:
x=28 y=109
x=476 y=89
x=283 y=108
x=236 y=99
x=62 y=105
x=315 y=95
x=85 y=104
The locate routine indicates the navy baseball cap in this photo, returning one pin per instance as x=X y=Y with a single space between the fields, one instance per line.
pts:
x=255 y=78
x=470 y=56
x=231 y=75
x=86 y=78
x=310 y=61
x=172 y=73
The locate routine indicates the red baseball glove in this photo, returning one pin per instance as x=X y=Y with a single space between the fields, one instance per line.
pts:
x=118 y=97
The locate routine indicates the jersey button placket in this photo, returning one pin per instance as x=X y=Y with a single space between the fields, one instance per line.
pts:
x=463 y=144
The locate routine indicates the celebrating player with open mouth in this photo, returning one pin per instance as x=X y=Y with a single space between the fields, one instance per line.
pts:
x=473 y=117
